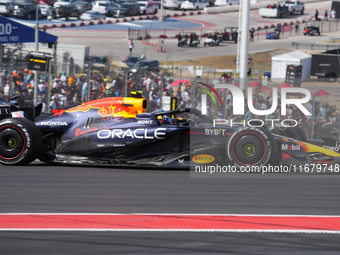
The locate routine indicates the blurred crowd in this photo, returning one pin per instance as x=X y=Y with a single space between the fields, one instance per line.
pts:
x=67 y=91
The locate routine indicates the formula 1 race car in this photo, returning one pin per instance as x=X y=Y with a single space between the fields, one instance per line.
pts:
x=118 y=131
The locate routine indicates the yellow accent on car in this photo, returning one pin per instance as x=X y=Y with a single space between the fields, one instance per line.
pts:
x=314 y=148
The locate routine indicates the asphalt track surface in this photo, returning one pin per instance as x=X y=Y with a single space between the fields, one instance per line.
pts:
x=105 y=190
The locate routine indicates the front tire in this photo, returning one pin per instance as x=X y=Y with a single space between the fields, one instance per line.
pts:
x=251 y=147
x=20 y=141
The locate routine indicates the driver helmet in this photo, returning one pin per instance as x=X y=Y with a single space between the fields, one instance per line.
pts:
x=166 y=119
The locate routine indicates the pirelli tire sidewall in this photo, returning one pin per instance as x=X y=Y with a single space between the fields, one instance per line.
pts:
x=25 y=138
x=264 y=138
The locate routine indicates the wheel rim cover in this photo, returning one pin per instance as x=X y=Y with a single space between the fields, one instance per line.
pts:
x=12 y=143
x=249 y=149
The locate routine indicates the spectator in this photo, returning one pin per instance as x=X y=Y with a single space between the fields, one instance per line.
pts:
x=316 y=15
x=323 y=111
x=75 y=100
x=30 y=95
x=183 y=87
x=333 y=14
x=296 y=27
x=54 y=103
x=131 y=46
x=71 y=67
x=41 y=87
x=6 y=90
x=252 y=31
x=4 y=78
x=84 y=92
x=63 y=78
x=235 y=35
x=179 y=38
x=325 y=17
x=162 y=45
x=114 y=82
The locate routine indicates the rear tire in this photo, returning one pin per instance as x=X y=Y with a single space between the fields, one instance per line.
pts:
x=20 y=141
x=251 y=147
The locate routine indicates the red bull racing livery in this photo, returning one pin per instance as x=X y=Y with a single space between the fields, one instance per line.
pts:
x=119 y=131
